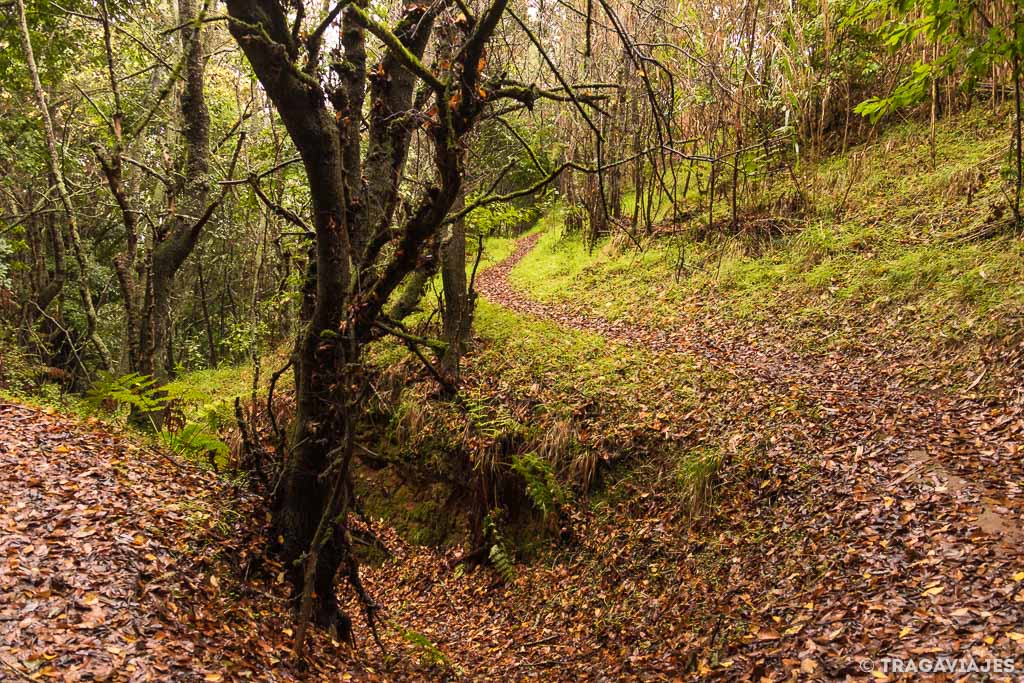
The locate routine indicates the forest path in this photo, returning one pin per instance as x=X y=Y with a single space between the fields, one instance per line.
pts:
x=904 y=507
x=92 y=532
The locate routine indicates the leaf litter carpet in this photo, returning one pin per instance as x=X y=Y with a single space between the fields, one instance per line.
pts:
x=858 y=518
x=88 y=525
x=888 y=518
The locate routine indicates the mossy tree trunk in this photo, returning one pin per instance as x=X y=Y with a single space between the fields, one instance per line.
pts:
x=363 y=249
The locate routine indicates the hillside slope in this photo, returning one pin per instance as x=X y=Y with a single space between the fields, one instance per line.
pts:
x=892 y=247
x=682 y=480
x=763 y=493
x=841 y=474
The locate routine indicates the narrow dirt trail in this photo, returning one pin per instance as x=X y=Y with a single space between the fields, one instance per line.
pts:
x=82 y=533
x=905 y=505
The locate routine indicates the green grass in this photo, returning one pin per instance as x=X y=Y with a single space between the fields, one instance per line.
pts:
x=567 y=396
x=562 y=265
x=215 y=391
x=495 y=249
x=219 y=384
x=562 y=259
x=888 y=231
x=211 y=393
x=567 y=362
x=696 y=478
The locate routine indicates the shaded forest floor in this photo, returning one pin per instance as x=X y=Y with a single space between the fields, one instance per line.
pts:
x=787 y=497
x=93 y=527
x=866 y=517
x=855 y=517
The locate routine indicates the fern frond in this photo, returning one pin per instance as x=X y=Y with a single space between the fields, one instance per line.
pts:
x=137 y=391
x=193 y=440
x=541 y=484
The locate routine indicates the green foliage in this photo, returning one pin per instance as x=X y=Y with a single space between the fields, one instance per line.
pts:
x=697 y=477
x=500 y=553
x=209 y=394
x=193 y=440
x=430 y=654
x=541 y=484
x=243 y=336
x=900 y=24
x=488 y=422
x=142 y=394
x=502 y=561
x=909 y=91
x=6 y=249
x=499 y=218
x=17 y=368
x=139 y=392
x=55 y=39
x=498 y=152
x=135 y=391
x=906 y=240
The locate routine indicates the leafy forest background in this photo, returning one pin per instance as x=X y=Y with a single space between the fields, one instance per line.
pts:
x=273 y=238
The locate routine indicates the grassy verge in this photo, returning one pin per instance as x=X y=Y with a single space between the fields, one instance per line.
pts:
x=549 y=412
x=923 y=246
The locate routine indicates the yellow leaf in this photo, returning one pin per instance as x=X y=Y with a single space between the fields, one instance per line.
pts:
x=904 y=631
x=213 y=678
x=1015 y=636
x=934 y=590
x=1019 y=576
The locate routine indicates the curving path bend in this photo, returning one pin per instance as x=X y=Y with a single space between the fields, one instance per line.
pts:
x=911 y=522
